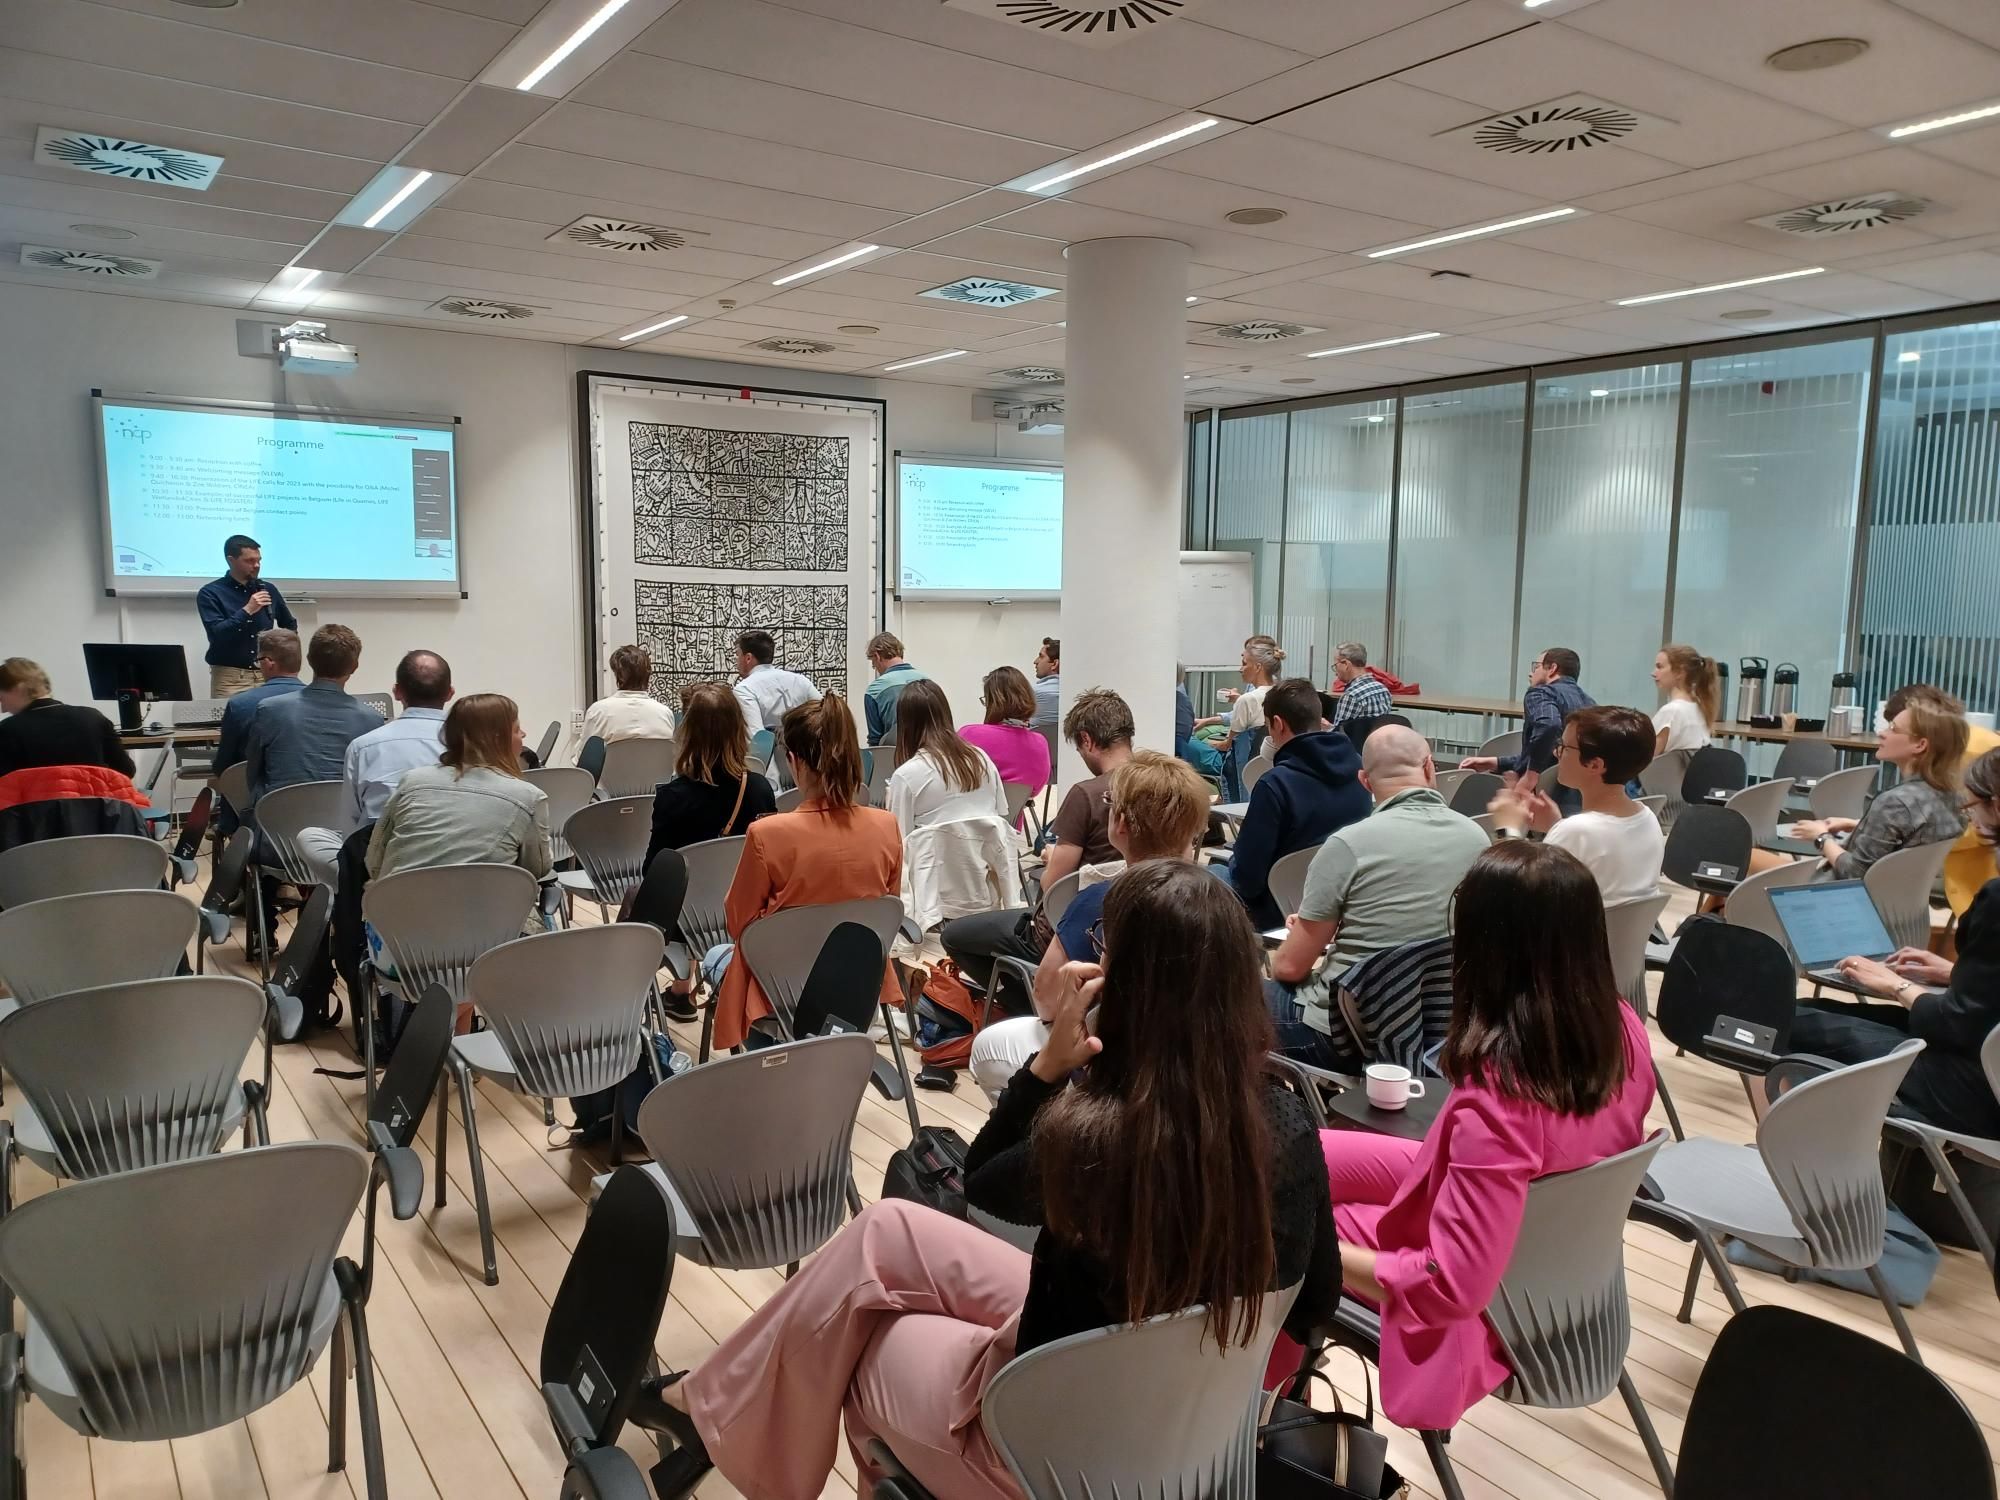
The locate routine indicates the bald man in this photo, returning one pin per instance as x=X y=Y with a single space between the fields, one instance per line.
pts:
x=1376 y=884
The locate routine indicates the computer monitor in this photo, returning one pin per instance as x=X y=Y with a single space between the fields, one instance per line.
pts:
x=136 y=674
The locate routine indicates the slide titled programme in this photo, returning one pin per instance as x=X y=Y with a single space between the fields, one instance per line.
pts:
x=982 y=531
x=329 y=499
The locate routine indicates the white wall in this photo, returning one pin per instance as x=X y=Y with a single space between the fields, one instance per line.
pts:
x=522 y=629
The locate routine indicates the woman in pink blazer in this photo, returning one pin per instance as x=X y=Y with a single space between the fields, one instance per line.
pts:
x=1550 y=1072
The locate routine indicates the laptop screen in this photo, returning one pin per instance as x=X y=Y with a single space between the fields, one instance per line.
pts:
x=1826 y=923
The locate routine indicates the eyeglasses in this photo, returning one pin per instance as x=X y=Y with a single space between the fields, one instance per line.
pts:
x=1571 y=746
x=1097 y=939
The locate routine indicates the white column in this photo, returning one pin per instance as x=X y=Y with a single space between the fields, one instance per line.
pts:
x=1124 y=451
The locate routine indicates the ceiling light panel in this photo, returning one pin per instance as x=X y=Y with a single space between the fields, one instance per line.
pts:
x=1408 y=338
x=1146 y=145
x=1480 y=231
x=394 y=198
x=659 y=327
x=928 y=359
x=294 y=286
x=569 y=41
x=833 y=260
x=1719 y=286
x=1950 y=120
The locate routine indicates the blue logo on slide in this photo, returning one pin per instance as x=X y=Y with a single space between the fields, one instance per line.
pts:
x=131 y=431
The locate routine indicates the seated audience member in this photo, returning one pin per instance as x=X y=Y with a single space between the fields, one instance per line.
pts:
x=1048 y=685
x=1379 y=883
x=1550 y=1071
x=1268 y=644
x=1361 y=696
x=767 y=693
x=474 y=807
x=892 y=675
x=1313 y=787
x=1694 y=699
x=1951 y=1006
x=939 y=778
x=1618 y=840
x=1099 y=725
x=40 y=731
x=278 y=659
x=1196 y=751
x=1247 y=732
x=1167 y=1169
x=833 y=848
x=1925 y=741
x=304 y=736
x=1552 y=696
x=1970 y=864
x=1021 y=754
x=631 y=713
x=713 y=794
x=1159 y=810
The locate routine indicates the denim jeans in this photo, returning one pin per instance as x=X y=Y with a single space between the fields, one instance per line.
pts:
x=1296 y=1039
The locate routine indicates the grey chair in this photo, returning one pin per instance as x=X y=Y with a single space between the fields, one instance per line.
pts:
x=754 y=1152
x=1809 y=1193
x=1658 y=803
x=635 y=768
x=781 y=948
x=1503 y=745
x=1627 y=926
x=1474 y=793
x=1488 y=824
x=1749 y=905
x=711 y=870
x=1807 y=759
x=1253 y=772
x=1056 y=899
x=1901 y=884
x=882 y=765
x=98 y=938
x=72 y=866
x=1704 y=835
x=1663 y=778
x=1843 y=794
x=174 y=1301
x=789 y=799
x=1561 y=1311
x=569 y=790
x=1938 y=1146
x=1287 y=879
x=383 y=703
x=609 y=840
x=564 y=1011
x=283 y=814
x=1760 y=806
x=434 y=925
x=1018 y=798
x=1447 y=782
x=232 y=785
x=226 y=875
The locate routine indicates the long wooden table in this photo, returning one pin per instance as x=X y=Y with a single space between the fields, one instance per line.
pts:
x=1501 y=708
x=146 y=739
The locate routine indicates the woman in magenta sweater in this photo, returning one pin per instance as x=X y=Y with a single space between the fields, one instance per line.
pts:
x=1550 y=1071
x=1020 y=752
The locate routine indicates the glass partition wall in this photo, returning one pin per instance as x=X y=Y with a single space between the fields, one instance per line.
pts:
x=1826 y=500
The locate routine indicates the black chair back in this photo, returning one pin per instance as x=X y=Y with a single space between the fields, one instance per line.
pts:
x=547 y=745
x=1757 y=1429
x=225 y=881
x=308 y=933
x=1807 y=759
x=845 y=983
x=591 y=757
x=194 y=827
x=1713 y=769
x=1475 y=790
x=1705 y=834
x=661 y=894
x=1358 y=730
x=411 y=1077
x=1720 y=970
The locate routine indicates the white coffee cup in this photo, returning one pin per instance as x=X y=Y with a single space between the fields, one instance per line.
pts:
x=1391 y=1086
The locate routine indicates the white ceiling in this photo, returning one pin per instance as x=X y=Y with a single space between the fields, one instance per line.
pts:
x=775 y=132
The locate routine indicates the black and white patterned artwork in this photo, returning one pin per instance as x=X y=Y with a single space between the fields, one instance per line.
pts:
x=690 y=630
x=743 y=501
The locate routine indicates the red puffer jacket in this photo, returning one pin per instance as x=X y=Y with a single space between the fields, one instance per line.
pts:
x=49 y=802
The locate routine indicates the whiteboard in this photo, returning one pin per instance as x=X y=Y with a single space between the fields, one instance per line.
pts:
x=1216 y=607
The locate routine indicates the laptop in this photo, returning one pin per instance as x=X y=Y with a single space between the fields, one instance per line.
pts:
x=1828 y=922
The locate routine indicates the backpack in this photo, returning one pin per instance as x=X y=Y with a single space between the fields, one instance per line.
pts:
x=946 y=1018
x=593 y=1111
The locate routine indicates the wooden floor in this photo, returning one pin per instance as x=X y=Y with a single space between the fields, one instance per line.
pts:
x=456 y=1359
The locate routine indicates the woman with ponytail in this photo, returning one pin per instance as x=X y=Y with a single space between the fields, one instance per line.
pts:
x=833 y=848
x=1694 y=698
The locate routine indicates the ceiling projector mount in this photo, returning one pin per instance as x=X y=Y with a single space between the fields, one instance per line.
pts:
x=304 y=347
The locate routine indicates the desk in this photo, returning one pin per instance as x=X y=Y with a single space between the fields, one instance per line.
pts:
x=1350 y=1110
x=1492 y=708
x=142 y=739
x=1730 y=729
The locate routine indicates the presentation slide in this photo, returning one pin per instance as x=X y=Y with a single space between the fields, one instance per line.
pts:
x=340 y=504
x=978 y=528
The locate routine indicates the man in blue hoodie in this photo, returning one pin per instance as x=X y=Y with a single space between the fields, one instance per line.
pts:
x=1312 y=788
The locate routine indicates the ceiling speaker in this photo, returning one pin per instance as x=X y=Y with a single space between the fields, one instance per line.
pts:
x=135 y=161
x=90 y=263
x=1846 y=215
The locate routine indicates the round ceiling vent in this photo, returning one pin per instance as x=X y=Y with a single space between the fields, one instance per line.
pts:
x=623 y=235
x=103 y=232
x=1810 y=57
x=1254 y=215
x=859 y=330
x=1846 y=215
x=89 y=262
x=136 y=161
x=1262 y=331
x=480 y=307
x=792 y=346
x=1297 y=380
x=985 y=291
x=1032 y=374
x=1561 y=127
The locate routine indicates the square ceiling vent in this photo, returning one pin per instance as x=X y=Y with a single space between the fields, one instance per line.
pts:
x=1105 y=23
x=1575 y=122
x=1846 y=215
x=984 y=291
x=134 y=161
x=624 y=236
x=98 y=263
x=484 y=309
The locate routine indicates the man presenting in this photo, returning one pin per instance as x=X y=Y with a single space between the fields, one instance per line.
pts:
x=235 y=609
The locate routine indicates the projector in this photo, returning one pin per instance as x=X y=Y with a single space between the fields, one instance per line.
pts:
x=305 y=349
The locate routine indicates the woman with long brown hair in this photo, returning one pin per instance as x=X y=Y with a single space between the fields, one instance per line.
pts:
x=1694 y=698
x=1550 y=1071
x=714 y=794
x=1172 y=1171
x=1019 y=753
x=832 y=848
x=939 y=777
x=473 y=807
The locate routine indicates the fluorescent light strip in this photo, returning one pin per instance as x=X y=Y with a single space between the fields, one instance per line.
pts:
x=1408 y=338
x=401 y=193
x=1117 y=156
x=304 y=281
x=827 y=265
x=626 y=338
x=1945 y=122
x=1720 y=286
x=928 y=359
x=1470 y=234
x=576 y=39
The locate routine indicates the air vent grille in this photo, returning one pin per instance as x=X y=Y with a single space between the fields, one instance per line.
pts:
x=1577 y=122
x=1845 y=215
x=90 y=263
x=134 y=161
x=984 y=291
x=622 y=236
x=791 y=346
x=1032 y=375
x=1261 y=331
x=1102 y=24
x=483 y=309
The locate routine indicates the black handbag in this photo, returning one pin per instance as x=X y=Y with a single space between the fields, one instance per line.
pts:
x=1307 y=1454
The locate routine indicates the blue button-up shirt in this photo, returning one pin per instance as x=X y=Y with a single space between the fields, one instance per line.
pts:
x=232 y=635
x=304 y=736
x=377 y=761
x=237 y=713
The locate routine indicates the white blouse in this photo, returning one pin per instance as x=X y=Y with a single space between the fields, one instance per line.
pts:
x=1686 y=728
x=919 y=794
